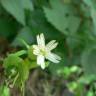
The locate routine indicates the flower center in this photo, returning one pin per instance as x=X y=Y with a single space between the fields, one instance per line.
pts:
x=43 y=52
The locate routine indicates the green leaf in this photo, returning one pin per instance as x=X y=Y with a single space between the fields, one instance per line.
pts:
x=12 y=60
x=63 y=17
x=67 y=1
x=88 y=60
x=93 y=15
x=90 y=93
x=4 y=91
x=8 y=28
x=15 y=8
x=38 y=24
x=92 y=8
x=85 y=79
x=39 y=3
x=24 y=34
x=24 y=72
x=31 y=56
x=88 y=2
x=27 y=4
x=21 y=68
x=73 y=42
x=72 y=86
x=31 y=64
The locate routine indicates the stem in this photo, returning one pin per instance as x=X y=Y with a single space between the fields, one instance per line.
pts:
x=23 y=89
x=15 y=79
x=27 y=46
x=19 y=53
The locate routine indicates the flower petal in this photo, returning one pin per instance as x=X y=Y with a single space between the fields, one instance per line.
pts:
x=42 y=40
x=35 y=47
x=36 y=50
x=40 y=61
x=38 y=40
x=43 y=65
x=51 y=45
x=53 y=58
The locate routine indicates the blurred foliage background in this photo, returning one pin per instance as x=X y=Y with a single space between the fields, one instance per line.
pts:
x=73 y=24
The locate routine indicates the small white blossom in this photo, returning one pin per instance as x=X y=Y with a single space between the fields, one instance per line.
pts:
x=43 y=51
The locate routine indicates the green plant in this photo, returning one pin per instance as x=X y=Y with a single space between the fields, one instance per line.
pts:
x=17 y=67
x=72 y=23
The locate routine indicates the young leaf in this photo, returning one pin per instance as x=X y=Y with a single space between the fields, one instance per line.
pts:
x=21 y=68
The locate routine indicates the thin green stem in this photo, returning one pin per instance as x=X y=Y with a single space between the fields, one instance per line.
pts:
x=27 y=46
x=19 y=53
x=15 y=79
x=23 y=89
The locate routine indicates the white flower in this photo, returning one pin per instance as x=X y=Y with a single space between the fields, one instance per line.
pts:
x=43 y=51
